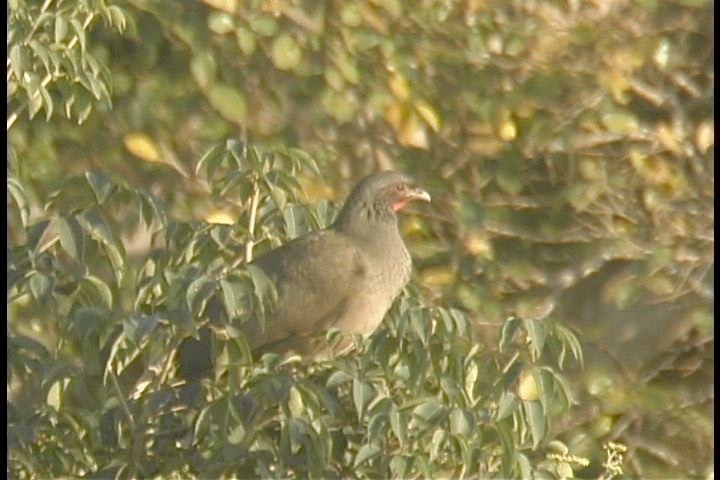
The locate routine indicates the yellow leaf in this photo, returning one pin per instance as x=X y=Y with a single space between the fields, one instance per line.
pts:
x=480 y=128
x=394 y=116
x=527 y=387
x=220 y=217
x=229 y=6
x=142 y=146
x=659 y=284
x=55 y=393
x=485 y=146
x=669 y=138
x=428 y=114
x=601 y=426
x=438 y=276
x=286 y=53
x=617 y=85
x=479 y=245
x=507 y=130
x=412 y=133
x=591 y=169
x=620 y=122
x=399 y=87
x=704 y=136
x=628 y=60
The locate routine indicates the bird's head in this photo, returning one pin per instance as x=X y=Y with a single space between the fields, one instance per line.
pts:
x=379 y=196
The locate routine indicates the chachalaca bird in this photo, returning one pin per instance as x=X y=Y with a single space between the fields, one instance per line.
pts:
x=344 y=277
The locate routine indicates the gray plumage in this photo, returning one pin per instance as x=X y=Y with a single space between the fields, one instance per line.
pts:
x=344 y=277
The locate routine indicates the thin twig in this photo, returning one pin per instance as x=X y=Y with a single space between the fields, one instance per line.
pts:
x=124 y=404
x=251 y=224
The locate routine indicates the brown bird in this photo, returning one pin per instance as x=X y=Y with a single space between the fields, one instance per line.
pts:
x=344 y=277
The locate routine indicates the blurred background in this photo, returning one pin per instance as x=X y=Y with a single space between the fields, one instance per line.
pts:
x=568 y=147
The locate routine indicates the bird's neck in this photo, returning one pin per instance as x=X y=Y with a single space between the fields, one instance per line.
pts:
x=369 y=222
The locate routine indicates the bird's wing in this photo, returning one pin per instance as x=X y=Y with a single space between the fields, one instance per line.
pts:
x=316 y=277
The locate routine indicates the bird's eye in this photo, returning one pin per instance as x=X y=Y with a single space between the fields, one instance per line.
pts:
x=400 y=188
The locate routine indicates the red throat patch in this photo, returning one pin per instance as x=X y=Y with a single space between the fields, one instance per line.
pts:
x=399 y=205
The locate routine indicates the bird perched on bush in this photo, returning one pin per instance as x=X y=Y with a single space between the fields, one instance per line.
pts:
x=345 y=277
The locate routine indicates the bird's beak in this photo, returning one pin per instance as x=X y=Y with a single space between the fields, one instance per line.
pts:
x=410 y=195
x=418 y=194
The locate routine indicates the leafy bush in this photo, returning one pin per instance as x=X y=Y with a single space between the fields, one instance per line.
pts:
x=98 y=392
x=569 y=149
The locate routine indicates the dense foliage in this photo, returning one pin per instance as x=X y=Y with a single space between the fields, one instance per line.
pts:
x=156 y=146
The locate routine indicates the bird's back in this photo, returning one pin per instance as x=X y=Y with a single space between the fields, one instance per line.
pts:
x=316 y=277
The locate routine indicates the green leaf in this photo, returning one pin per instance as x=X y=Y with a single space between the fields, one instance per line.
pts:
x=228 y=102
x=292 y=215
x=536 y=419
x=420 y=322
x=232 y=293
x=461 y=422
x=471 y=376
x=506 y=405
x=47 y=102
x=79 y=31
x=365 y=453
x=508 y=448
x=61 y=28
x=138 y=326
x=198 y=293
x=524 y=465
x=537 y=333
x=203 y=68
x=27 y=343
x=18 y=61
x=429 y=410
x=213 y=154
x=436 y=443
x=42 y=53
x=99 y=231
x=507 y=332
x=338 y=377
x=264 y=287
x=150 y=205
x=362 y=393
x=286 y=54
x=546 y=387
x=103 y=290
x=17 y=192
x=220 y=22
x=400 y=467
x=237 y=434
x=568 y=338
x=117 y=17
x=305 y=159
x=41 y=286
x=295 y=402
x=239 y=350
x=72 y=239
x=245 y=40
x=101 y=186
x=398 y=425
